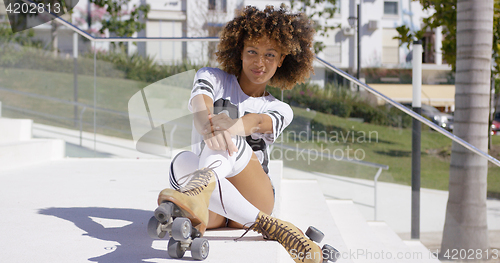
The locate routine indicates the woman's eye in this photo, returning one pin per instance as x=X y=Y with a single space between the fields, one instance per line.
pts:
x=271 y=55
x=252 y=52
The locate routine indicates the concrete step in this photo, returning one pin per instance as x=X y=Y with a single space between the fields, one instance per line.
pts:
x=419 y=251
x=361 y=240
x=22 y=153
x=304 y=205
x=391 y=241
x=14 y=130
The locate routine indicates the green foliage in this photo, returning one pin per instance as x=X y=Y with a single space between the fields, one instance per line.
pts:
x=340 y=101
x=117 y=10
x=406 y=36
x=137 y=67
x=445 y=15
x=23 y=38
x=496 y=44
x=309 y=7
x=112 y=65
x=39 y=59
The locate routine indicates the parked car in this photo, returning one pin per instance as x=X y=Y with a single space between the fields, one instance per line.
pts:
x=442 y=119
x=495 y=126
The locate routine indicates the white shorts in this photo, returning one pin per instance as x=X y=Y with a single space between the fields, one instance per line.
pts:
x=238 y=161
x=187 y=162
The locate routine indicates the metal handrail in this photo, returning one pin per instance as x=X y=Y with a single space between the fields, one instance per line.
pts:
x=411 y=113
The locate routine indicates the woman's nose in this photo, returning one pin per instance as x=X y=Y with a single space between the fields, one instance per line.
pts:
x=260 y=60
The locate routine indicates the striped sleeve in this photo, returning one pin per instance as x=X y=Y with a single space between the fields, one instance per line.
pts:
x=281 y=114
x=203 y=85
x=208 y=82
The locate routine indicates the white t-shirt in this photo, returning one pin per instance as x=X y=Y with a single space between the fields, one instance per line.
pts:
x=226 y=93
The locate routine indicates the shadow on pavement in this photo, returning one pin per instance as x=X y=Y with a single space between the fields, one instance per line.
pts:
x=134 y=242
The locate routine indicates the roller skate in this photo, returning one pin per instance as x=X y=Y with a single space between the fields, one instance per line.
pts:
x=299 y=247
x=183 y=215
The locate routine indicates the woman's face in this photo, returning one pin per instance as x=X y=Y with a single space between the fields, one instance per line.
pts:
x=260 y=60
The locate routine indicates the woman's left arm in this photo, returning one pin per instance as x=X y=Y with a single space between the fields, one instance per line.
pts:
x=244 y=126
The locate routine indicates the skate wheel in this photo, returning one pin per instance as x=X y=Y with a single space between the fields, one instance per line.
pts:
x=175 y=249
x=164 y=212
x=314 y=234
x=181 y=229
x=153 y=229
x=329 y=253
x=200 y=248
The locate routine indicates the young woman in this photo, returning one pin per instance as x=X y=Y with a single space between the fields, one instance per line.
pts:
x=236 y=120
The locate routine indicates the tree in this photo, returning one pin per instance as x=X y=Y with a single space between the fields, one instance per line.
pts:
x=470 y=37
x=315 y=11
x=465 y=225
x=119 y=20
x=97 y=14
x=445 y=16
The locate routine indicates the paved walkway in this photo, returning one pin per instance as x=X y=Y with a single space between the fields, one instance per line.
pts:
x=80 y=210
x=396 y=212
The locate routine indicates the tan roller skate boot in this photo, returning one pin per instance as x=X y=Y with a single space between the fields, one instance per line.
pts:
x=300 y=248
x=183 y=214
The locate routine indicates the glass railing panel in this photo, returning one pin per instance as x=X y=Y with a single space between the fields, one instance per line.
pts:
x=143 y=112
x=342 y=132
x=40 y=85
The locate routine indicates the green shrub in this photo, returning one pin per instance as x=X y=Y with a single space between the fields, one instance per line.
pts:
x=341 y=102
x=137 y=67
x=39 y=59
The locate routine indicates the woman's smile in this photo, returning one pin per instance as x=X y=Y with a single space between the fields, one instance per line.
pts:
x=260 y=59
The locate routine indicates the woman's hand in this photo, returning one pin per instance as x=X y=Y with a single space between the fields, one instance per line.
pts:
x=217 y=133
x=222 y=122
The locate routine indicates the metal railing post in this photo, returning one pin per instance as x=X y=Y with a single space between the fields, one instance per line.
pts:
x=172 y=140
x=375 y=180
x=81 y=128
x=416 y=140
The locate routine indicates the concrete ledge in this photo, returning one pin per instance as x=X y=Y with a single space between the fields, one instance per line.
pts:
x=358 y=236
x=304 y=205
x=419 y=250
x=18 y=154
x=14 y=130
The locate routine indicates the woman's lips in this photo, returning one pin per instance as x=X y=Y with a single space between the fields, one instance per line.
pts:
x=257 y=72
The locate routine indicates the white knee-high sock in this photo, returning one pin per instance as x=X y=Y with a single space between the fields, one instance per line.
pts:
x=232 y=205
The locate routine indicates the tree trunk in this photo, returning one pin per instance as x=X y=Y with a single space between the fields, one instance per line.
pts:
x=465 y=225
x=54 y=40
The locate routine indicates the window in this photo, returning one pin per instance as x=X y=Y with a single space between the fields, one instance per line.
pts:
x=217 y=5
x=428 y=47
x=390 y=46
x=211 y=4
x=391 y=8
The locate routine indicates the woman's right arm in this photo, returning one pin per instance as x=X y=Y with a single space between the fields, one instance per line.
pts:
x=202 y=106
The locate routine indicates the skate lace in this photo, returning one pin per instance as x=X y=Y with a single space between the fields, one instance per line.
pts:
x=292 y=241
x=200 y=179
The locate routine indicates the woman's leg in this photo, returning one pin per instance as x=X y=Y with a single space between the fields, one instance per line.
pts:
x=254 y=185
x=228 y=201
x=245 y=188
